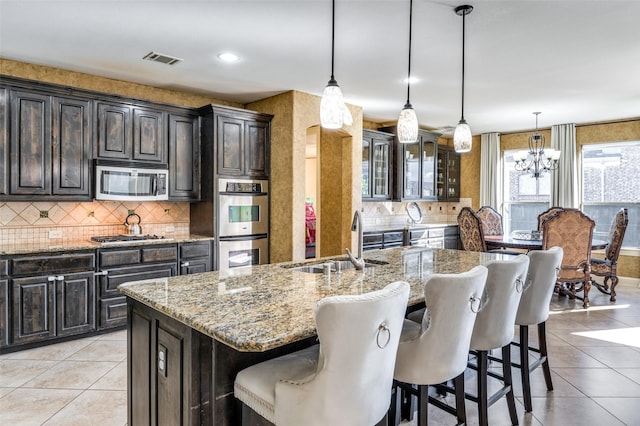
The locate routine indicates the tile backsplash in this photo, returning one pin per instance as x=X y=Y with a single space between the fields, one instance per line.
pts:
x=390 y=213
x=31 y=222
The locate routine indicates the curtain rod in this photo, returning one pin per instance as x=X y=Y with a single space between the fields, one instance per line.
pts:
x=595 y=123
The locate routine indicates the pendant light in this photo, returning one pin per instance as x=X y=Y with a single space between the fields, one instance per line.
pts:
x=408 y=122
x=332 y=107
x=462 y=134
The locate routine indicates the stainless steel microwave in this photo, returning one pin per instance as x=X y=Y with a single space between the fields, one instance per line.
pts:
x=130 y=183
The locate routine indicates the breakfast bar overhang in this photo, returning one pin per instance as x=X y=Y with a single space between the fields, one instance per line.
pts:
x=188 y=336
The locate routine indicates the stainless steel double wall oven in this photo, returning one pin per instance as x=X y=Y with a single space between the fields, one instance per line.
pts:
x=243 y=222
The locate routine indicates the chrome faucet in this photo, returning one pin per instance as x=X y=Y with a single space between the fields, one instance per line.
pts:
x=358 y=262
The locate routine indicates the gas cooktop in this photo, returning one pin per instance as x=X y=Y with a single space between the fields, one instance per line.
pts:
x=125 y=239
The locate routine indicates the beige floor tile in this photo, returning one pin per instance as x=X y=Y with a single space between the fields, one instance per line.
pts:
x=95 y=408
x=569 y=356
x=615 y=357
x=600 y=382
x=26 y=407
x=561 y=388
x=116 y=379
x=16 y=372
x=71 y=375
x=102 y=350
x=625 y=409
x=57 y=351
x=571 y=412
x=631 y=373
x=116 y=335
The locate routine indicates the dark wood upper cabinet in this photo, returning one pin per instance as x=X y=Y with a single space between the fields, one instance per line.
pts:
x=30 y=144
x=71 y=133
x=377 y=165
x=114 y=131
x=49 y=150
x=127 y=132
x=149 y=143
x=237 y=140
x=448 y=174
x=257 y=148
x=184 y=158
x=4 y=141
x=231 y=140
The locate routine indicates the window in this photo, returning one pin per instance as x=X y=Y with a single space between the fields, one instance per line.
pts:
x=525 y=197
x=610 y=181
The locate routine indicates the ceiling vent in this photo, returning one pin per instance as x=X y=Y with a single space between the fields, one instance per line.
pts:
x=164 y=59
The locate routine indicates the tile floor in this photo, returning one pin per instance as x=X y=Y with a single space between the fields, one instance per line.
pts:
x=594 y=355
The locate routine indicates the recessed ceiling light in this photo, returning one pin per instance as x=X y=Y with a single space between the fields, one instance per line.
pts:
x=228 y=57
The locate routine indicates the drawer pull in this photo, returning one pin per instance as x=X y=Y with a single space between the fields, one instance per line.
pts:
x=184 y=264
x=101 y=273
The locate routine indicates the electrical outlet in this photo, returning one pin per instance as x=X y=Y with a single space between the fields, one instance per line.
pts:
x=55 y=234
x=169 y=229
x=162 y=360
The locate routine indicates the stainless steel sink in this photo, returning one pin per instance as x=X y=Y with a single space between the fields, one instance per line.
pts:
x=336 y=265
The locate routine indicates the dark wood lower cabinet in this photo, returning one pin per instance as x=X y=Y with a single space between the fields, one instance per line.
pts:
x=75 y=304
x=4 y=312
x=179 y=376
x=33 y=313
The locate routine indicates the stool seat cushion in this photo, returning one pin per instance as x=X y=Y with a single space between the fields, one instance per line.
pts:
x=256 y=385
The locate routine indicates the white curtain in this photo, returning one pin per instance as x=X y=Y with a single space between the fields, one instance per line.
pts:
x=490 y=171
x=564 y=180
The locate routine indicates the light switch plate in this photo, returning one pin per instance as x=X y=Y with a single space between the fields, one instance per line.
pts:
x=55 y=234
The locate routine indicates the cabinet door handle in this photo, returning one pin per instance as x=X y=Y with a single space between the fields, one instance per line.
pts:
x=184 y=264
x=60 y=278
x=99 y=273
x=51 y=279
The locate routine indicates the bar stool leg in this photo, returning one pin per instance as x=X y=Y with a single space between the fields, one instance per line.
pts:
x=423 y=405
x=508 y=382
x=542 y=338
x=483 y=404
x=524 y=367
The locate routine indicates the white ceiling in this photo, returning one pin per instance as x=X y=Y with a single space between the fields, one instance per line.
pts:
x=576 y=61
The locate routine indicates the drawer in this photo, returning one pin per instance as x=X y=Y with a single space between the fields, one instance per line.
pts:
x=369 y=239
x=195 y=250
x=57 y=264
x=119 y=257
x=109 y=283
x=392 y=237
x=451 y=231
x=113 y=312
x=416 y=234
x=159 y=254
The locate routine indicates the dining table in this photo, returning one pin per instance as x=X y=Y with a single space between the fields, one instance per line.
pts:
x=526 y=240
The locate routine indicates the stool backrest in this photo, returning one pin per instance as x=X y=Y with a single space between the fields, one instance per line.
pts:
x=544 y=266
x=441 y=350
x=359 y=338
x=495 y=322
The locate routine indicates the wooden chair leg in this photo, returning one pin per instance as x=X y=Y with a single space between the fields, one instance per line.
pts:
x=524 y=367
x=508 y=381
x=614 y=283
x=423 y=405
x=461 y=411
x=587 y=287
x=393 y=416
x=542 y=340
x=482 y=394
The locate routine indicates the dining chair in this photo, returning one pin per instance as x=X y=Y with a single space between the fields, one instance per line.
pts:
x=533 y=310
x=572 y=230
x=470 y=228
x=546 y=215
x=344 y=380
x=608 y=267
x=491 y=220
x=434 y=348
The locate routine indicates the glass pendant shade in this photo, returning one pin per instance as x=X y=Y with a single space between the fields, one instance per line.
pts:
x=407 y=130
x=462 y=137
x=332 y=107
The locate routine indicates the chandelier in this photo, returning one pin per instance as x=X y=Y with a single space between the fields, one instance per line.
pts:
x=536 y=160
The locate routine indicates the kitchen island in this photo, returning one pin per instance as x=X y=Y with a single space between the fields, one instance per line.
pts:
x=190 y=335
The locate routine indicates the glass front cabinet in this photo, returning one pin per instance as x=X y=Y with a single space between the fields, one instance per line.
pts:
x=376 y=165
x=448 y=174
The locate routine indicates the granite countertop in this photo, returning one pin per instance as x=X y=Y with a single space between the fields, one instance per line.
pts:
x=52 y=246
x=263 y=307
